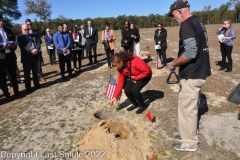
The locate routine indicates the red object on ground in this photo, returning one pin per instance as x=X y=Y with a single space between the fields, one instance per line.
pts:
x=149 y=116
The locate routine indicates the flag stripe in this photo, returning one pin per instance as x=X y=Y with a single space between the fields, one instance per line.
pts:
x=112 y=84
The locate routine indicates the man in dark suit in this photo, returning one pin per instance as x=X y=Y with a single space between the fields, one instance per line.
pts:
x=91 y=35
x=8 y=59
x=29 y=47
x=34 y=33
x=48 y=38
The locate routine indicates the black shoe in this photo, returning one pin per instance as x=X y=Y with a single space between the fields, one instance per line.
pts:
x=38 y=87
x=90 y=63
x=64 y=78
x=71 y=76
x=132 y=107
x=18 y=94
x=29 y=91
x=96 y=61
x=222 y=68
x=140 y=110
x=229 y=70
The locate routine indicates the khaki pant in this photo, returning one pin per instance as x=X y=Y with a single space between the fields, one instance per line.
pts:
x=188 y=102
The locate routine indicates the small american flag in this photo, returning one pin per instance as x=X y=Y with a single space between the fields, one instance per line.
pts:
x=112 y=84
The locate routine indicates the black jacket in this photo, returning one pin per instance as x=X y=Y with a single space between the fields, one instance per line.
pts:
x=136 y=33
x=25 y=48
x=79 y=43
x=10 y=37
x=126 y=35
x=93 y=39
x=161 y=37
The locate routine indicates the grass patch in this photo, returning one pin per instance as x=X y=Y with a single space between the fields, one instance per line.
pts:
x=62 y=125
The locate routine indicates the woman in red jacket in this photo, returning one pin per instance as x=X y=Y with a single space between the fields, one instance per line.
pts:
x=133 y=75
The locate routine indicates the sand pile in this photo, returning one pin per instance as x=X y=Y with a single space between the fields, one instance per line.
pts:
x=113 y=140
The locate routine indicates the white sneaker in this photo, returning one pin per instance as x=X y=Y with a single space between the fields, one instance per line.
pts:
x=180 y=147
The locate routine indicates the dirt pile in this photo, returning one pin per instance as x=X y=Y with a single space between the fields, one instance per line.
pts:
x=111 y=139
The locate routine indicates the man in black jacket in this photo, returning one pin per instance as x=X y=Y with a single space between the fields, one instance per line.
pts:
x=35 y=33
x=91 y=35
x=29 y=47
x=8 y=59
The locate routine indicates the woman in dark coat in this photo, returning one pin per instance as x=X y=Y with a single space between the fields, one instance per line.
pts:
x=76 y=48
x=160 y=38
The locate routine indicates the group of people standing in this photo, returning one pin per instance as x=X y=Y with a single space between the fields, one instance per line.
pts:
x=133 y=73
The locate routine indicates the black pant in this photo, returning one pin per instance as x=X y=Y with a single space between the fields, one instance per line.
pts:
x=62 y=60
x=162 y=55
x=226 y=51
x=27 y=67
x=84 y=48
x=89 y=49
x=39 y=65
x=77 y=54
x=3 y=80
x=11 y=67
x=129 y=48
x=109 y=54
x=132 y=90
x=51 y=55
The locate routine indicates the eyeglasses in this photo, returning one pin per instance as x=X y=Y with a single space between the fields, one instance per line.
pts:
x=29 y=24
x=25 y=29
x=173 y=14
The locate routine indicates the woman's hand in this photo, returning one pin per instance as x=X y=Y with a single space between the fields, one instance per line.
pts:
x=132 y=77
x=227 y=38
x=113 y=102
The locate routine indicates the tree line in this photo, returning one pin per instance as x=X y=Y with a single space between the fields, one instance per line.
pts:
x=230 y=10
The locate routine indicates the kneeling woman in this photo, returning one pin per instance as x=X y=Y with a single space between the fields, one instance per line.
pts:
x=133 y=75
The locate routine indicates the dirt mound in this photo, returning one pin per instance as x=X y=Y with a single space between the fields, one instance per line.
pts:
x=111 y=139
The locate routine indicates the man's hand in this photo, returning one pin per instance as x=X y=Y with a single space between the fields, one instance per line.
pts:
x=13 y=46
x=171 y=66
x=64 y=50
x=126 y=41
x=159 y=42
x=34 y=51
x=51 y=45
x=5 y=46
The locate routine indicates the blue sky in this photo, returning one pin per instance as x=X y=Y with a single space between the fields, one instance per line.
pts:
x=80 y=9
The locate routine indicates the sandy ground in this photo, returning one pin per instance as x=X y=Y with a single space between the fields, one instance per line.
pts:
x=58 y=122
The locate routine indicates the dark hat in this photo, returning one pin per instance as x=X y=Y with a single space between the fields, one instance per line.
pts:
x=178 y=5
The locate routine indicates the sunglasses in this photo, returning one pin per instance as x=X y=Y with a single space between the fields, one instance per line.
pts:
x=29 y=24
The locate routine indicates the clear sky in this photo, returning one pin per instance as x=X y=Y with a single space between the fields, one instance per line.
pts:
x=81 y=9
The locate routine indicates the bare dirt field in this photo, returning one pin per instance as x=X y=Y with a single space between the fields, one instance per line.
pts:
x=73 y=119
